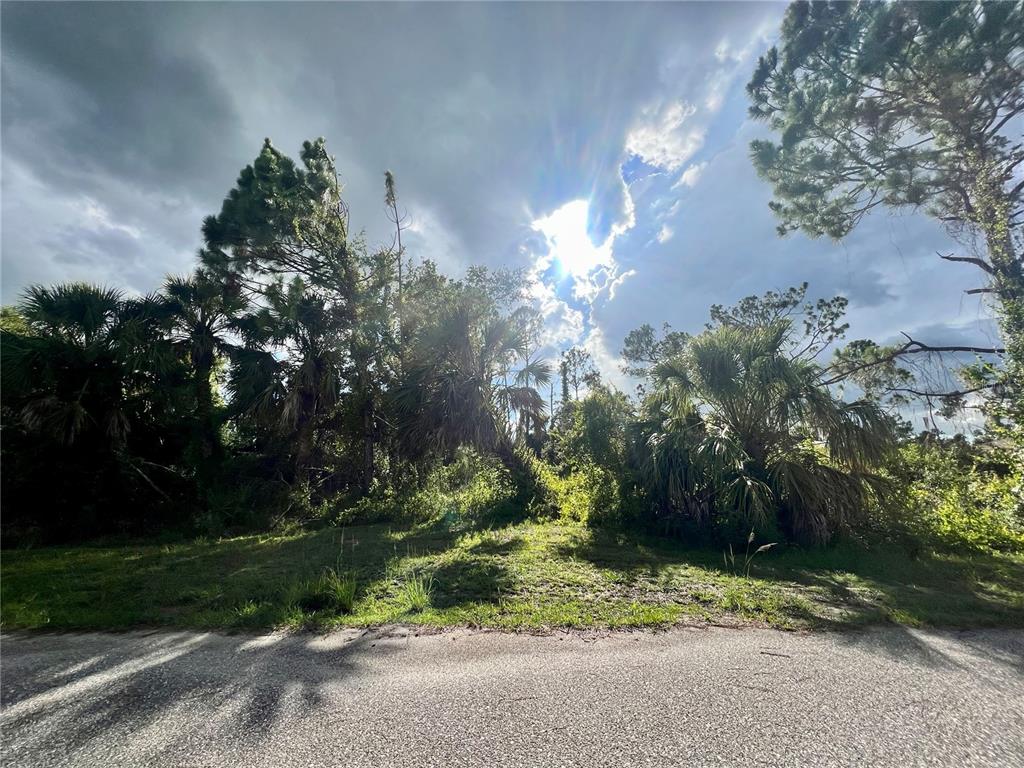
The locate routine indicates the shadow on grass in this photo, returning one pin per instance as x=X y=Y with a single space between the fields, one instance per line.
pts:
x=252 y=582
x=847 y=586
x=468 y=580
x=498 y=547
x=255 y=582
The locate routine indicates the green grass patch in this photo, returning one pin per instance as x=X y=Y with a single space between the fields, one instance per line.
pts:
x=519 y=575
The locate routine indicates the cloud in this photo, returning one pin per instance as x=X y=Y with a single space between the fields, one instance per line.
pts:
x=690 y=176
x=724 y=247
x=73 y=236
x=566 y=231
x=613 y=284
x=662 y=137
x=107 y=92
x=607 y=362
x=430 y=239
x=563 y=325
x=485 y=113
x=568 y=255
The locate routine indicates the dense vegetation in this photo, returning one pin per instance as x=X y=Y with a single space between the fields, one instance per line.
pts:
x=475 y=557
x=299 y=378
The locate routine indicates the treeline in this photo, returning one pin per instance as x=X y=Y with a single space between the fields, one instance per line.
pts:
x=295 y=372
x=294 y=365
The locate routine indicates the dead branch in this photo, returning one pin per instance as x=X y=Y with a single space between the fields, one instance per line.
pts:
x=980 y=263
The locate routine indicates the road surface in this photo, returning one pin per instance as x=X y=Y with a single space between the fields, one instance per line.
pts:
x=680 y=698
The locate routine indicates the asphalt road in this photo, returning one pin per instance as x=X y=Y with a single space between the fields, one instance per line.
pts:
x=679 y=698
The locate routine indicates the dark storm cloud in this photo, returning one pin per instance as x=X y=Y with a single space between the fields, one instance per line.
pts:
x=106 y=114
x=107 y=89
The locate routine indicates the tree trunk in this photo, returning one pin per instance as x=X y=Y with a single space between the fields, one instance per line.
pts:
x=1008 y=285
x=204 y=412
x=368 y=460
x=304 y=448
x=205 y=440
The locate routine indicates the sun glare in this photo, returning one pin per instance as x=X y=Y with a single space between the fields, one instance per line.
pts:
x=570 y=245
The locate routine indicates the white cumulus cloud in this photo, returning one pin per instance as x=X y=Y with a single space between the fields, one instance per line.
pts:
x=664 y=136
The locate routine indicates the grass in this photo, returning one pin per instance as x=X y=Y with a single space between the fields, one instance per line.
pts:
x=331 y=591
x=415 y=592
x=524 y=575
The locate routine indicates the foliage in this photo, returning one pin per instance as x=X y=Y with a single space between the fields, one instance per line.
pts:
x=906 y=105
x=739 y=428
x=593 y=430
x=589 y=445
x=293 y=370
x=333 y=591
x=959 y=497
x=589 y=494
x=888 y=104
x=297 y=378
x=415 y=591
x=643 y=349
x=577 y=369
x=748 y=556
x=813 y=327
x=321 y=309
x=198 y=316
x=94 y=412
x=456 y=390
x=466 y=488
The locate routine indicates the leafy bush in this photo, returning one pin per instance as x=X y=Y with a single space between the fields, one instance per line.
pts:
x=590 y=494
x=737 y=426
x=415 y=592
x=467 y=487
x=958 y=497
x=593 y=430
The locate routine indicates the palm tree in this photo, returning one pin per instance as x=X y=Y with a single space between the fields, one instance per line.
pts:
x=740 y=426
x=199 y=313
x=287 y=376
x=70 y=374
x=89 y=380
x=455 y=391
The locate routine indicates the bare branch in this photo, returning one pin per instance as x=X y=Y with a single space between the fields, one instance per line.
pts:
x=912 y=347
x=955 y=393
x=969 y=260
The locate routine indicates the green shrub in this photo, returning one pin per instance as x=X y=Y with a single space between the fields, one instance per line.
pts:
x=465 y=488
x=331 y=591
x=590 y=494
x=341 y=587
x=958 y=498
x=593 y=430
x=974 y=510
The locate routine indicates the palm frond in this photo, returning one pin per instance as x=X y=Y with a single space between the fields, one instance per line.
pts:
x=537 y=371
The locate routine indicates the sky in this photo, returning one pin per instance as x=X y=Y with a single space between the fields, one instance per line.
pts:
x=602 y=147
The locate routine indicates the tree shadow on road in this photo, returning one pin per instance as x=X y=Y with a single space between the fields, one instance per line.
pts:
x=59 y=700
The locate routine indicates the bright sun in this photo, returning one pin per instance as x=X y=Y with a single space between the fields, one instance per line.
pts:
x=570 y=244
